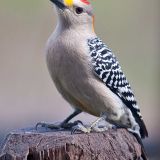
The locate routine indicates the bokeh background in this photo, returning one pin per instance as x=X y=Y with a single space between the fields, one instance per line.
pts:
x=27 y=95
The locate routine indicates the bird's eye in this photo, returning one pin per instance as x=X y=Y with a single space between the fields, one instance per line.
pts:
x=79 y=10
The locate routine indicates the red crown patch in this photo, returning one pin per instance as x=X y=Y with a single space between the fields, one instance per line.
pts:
x=85 y=1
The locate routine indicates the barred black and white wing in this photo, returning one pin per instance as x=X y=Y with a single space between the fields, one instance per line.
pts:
x=107 y=68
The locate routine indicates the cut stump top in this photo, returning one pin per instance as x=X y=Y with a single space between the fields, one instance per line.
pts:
x=29 y=144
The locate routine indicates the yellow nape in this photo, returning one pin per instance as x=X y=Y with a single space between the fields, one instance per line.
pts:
x=68 y=3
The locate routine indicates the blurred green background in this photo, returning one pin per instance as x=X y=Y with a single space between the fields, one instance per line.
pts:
x=27 y=95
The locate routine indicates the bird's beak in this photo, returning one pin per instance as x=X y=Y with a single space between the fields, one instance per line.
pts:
x=59 y=4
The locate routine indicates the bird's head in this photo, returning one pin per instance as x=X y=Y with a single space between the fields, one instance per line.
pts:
x=74 y=13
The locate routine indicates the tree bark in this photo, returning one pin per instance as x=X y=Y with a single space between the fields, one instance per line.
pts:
x=61 y=145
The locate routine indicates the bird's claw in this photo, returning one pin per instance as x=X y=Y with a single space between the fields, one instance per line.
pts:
x=46 y=125
x=70 y=125
x=58 y=126
x=80 y=128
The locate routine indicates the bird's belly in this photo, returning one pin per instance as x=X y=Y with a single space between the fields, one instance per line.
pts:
x=80 y=87
x=86 y=97
x=70 y=78
x=88 y=94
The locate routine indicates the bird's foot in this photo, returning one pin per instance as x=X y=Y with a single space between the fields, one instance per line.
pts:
x=71 y=124
x=94 y=127
x=48 y=125
x=80 y=128
x=58 y=126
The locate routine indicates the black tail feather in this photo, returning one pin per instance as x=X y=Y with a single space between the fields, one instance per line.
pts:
x=143 y=129
x=144 y=154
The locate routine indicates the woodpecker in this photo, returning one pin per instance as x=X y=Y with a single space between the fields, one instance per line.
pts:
x=87 y=73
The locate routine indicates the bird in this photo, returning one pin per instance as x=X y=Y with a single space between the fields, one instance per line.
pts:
x=87 y=73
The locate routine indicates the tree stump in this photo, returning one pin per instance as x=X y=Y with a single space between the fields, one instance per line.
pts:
x=61 y=145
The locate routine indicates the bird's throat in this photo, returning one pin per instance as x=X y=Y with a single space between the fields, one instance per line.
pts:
x=93 y=23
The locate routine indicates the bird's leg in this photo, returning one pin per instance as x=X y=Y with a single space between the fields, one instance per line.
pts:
x=94 y=126
x=64 y=124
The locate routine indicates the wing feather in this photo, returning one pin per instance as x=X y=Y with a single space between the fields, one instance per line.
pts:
x=107 y=68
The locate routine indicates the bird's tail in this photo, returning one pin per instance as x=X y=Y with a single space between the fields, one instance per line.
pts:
x=144 y=154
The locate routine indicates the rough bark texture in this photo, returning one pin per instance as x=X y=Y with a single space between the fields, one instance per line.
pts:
x=61 y=145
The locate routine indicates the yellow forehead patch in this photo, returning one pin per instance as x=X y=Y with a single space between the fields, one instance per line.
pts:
x=68 y=3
